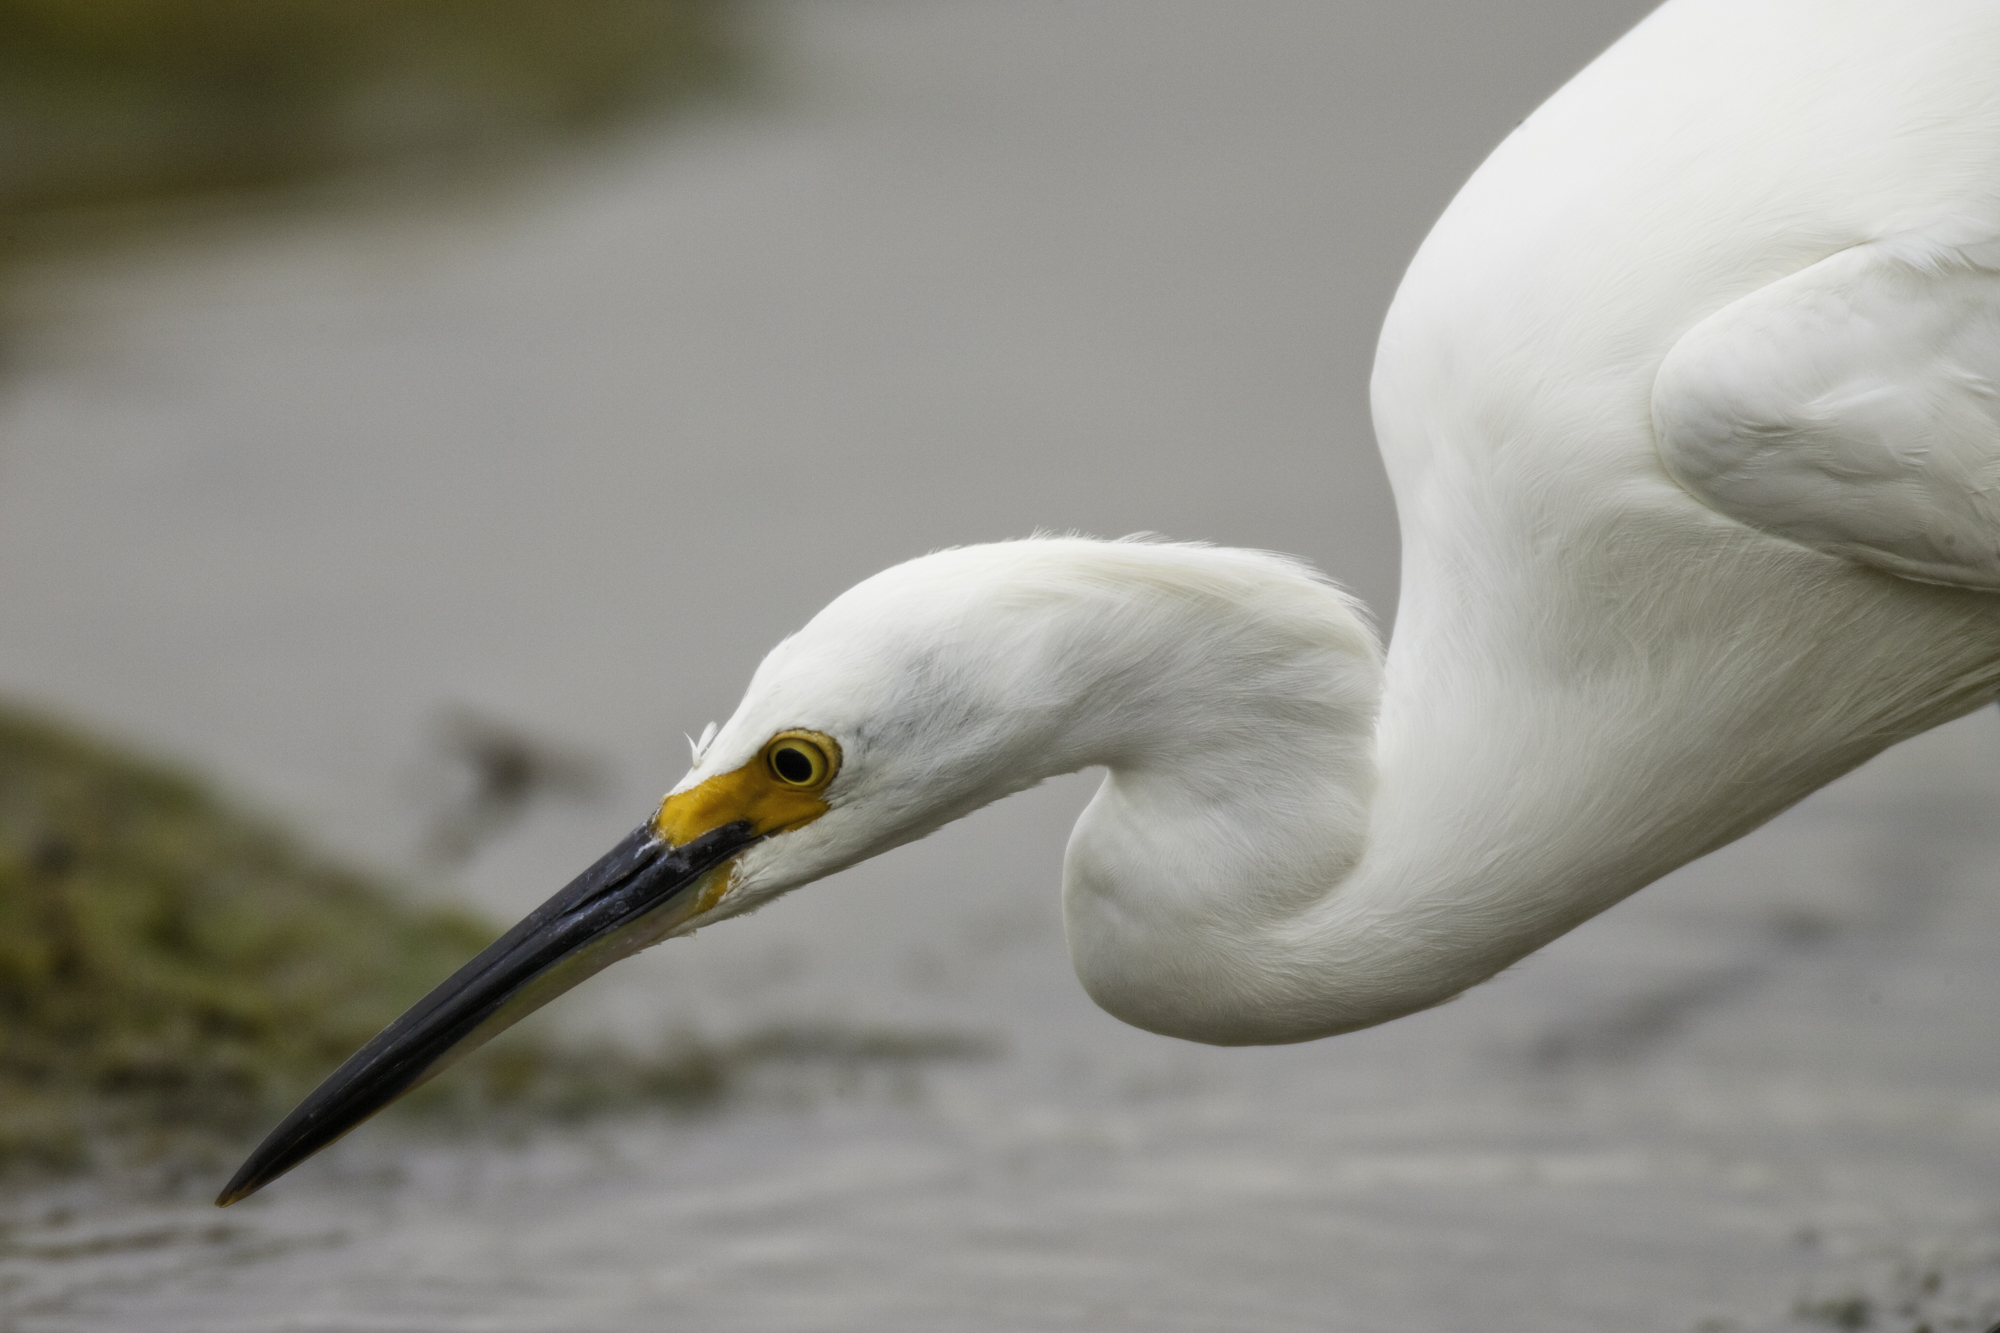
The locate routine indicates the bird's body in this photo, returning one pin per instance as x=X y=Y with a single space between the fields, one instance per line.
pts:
x=1689 y=404
x=1596 y=676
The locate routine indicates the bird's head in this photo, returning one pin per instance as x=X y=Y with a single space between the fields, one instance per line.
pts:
x=901 y=706
x=911 y=700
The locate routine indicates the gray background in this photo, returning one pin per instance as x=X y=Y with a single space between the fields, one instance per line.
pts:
x=574 y=451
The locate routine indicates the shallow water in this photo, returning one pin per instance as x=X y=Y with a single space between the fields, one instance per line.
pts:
x=574 y=455
x=1763 y=1085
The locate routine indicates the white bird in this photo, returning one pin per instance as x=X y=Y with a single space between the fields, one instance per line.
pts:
x=1691 y=404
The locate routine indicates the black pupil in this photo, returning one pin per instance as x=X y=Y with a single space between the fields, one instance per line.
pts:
x=792 y=765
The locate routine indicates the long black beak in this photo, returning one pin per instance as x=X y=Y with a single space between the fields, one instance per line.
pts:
x=639 y=892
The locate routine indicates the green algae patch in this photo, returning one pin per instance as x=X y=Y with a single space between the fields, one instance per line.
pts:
x=175 y=974
x=169 y=964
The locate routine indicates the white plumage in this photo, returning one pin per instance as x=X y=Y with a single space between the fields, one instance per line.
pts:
x=1853 y=407
x=1689 y=406
x=1231 y=695
x=1710 y=341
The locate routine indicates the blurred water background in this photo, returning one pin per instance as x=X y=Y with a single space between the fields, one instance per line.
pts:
x=425 y=478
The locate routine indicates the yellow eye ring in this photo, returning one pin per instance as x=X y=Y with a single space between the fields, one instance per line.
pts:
x=802 y=760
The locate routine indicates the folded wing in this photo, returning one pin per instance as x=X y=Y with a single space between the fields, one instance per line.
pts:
x=1853 y=407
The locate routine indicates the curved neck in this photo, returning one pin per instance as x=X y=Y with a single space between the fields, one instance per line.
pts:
x=1543 y=750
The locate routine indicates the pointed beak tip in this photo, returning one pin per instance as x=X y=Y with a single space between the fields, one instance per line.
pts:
x=555 y=947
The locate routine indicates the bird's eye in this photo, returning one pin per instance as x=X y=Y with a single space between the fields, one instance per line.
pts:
x=802 y=759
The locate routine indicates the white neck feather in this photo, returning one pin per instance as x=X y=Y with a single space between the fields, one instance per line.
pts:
x=1267 y=862
x=1594 y=678
x=1294 y=840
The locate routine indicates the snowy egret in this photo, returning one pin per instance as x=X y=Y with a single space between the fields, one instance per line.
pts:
x=1689 y=403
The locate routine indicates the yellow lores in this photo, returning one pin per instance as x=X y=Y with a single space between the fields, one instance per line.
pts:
x=777 y=791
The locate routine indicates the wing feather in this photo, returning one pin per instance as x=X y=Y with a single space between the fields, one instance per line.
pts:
x=1853 y=407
